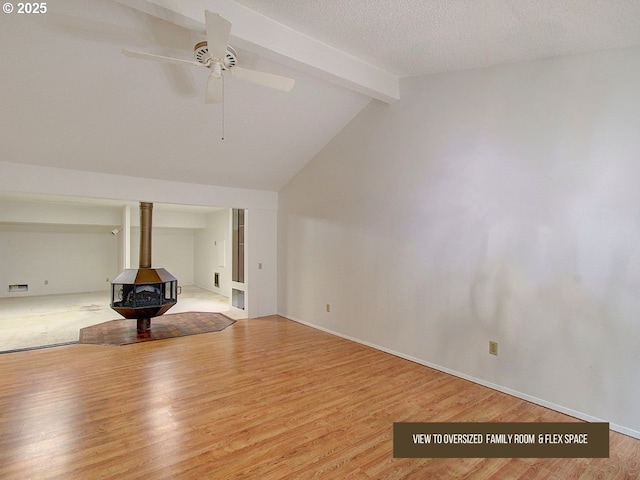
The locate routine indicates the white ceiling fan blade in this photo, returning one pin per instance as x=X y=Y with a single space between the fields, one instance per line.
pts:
x=214 y=89
x=262 y=78
x=160 y=58
x=218 y=31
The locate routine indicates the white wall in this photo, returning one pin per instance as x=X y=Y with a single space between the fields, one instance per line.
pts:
x=43 y=213
x=171 y=249
x=262 y=262
x=56 y=259
x=497 y=204
x=213 y=253
x=172 y=242
x=16 y=177
x=56 y=248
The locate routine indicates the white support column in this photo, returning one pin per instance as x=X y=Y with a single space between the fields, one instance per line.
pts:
x=125 y=234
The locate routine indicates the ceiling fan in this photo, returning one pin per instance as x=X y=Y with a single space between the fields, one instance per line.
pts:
x=216 y=55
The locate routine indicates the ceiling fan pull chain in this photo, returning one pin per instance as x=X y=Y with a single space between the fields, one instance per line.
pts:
x=222 y=76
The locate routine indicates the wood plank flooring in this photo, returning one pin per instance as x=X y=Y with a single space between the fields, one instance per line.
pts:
x=265 y=398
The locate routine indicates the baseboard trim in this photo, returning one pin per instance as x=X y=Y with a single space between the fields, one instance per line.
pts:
x=523 y=396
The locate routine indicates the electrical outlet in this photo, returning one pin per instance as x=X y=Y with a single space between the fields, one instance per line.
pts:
x=328 y=307
x=46 y=282
x=493 y=348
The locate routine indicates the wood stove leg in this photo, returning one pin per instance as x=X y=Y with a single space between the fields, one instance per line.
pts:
x=144 y=324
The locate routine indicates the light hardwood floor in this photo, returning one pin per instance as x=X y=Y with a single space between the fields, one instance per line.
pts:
x=265 y=398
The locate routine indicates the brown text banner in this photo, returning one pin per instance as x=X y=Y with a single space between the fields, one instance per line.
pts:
x=501 y=440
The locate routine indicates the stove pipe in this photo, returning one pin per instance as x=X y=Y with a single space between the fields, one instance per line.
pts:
x=146 y=215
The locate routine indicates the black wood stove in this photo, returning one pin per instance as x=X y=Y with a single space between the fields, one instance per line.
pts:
x=144 y=292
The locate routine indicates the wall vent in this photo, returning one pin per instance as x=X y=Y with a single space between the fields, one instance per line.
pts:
x=216 y=279
x=18 y=287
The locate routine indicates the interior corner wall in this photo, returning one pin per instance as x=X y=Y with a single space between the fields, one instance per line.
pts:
x=496 y=204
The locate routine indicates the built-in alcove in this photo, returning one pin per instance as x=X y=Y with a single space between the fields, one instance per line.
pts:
x=238 y=290
x=238 y=245
x=237 y=298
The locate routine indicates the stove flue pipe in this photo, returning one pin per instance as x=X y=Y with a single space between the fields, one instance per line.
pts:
x=146 y=213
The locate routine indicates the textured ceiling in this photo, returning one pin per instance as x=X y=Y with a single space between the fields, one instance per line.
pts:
x=416 y=37
x=70 y=99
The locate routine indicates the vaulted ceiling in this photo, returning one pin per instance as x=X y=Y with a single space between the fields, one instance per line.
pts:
x=70 y=99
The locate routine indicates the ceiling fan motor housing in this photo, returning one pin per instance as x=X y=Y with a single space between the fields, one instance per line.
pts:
x=201 y=53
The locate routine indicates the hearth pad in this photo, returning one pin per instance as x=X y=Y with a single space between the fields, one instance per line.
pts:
x=124 y=331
